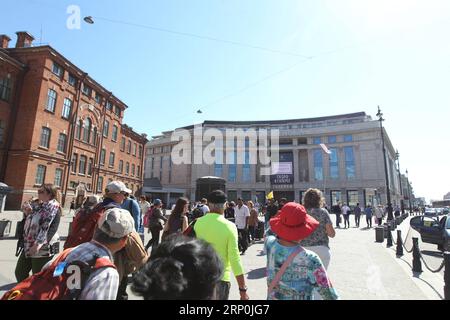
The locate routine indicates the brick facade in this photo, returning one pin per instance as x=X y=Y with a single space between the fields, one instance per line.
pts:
x=61 y=115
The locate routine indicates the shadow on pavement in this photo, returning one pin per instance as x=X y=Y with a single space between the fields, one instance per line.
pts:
x=257 y=274
x=417 y=276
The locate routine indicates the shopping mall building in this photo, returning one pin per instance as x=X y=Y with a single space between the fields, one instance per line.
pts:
x=353 y=172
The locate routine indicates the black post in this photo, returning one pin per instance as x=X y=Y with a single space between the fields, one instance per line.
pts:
x=388 y=191
x=399 y=243
x=417 y=264
x=447 y=276
x=389 y=236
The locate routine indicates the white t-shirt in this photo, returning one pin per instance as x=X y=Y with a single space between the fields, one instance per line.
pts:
x=345 y=210
x=240 y=215
x=204 y=208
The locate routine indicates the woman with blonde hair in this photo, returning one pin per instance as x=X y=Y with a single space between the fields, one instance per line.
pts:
x=318 y=241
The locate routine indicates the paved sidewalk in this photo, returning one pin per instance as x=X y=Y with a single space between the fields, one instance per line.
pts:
x=360 y=268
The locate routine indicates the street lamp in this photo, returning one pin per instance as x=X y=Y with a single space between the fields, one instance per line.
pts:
x=388 y=191
x=402 y=202
x=409 y=190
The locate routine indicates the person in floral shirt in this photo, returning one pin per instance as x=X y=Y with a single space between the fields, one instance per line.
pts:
x=41 y=225
x=306 y=271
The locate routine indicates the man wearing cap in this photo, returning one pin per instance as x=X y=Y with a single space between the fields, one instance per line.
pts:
x=294 y=272
x=113 y=230
x=223 y=236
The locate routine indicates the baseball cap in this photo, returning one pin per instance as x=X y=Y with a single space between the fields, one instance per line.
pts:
x=117 y=187
x=116 y=223
x=157 y=202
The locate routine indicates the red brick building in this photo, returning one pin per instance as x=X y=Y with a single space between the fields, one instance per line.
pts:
x=60 y=126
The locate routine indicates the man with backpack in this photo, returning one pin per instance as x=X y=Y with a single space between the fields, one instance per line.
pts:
x=85 y=272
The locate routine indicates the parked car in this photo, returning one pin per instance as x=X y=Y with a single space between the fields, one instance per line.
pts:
x=435 y=230
x=446 y=211
x=431 y=212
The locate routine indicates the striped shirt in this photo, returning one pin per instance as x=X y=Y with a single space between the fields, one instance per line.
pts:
x=103 y=283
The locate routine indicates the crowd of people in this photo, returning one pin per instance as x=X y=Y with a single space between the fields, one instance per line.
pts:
x=191 y=253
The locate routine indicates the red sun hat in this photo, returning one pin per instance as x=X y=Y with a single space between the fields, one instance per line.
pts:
x=293 y=223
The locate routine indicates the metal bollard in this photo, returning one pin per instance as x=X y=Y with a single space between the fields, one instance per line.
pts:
x=399 y=243
x=447 y=276
x=417 y=264
x=389 y=237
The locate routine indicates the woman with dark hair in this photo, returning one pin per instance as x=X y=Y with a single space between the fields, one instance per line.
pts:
x=41 y=225
x=178 y=220
x=180 y=268
x=318 y=241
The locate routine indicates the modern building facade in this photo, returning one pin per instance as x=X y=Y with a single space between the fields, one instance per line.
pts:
x=353 y=172
x=60 y=126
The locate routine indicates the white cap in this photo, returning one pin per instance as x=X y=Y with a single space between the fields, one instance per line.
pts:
x=117 y=187
x=116 y=223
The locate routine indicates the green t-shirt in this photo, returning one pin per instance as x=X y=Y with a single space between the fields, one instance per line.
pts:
x=223 y=236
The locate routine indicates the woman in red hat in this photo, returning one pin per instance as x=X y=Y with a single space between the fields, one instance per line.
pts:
x=292 y=271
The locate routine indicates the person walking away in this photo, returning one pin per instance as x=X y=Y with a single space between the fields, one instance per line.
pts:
x=178 y=254
x=318 y=241
x=271 y=211
x=252 y=221
x=156 y=224
x=134 y=209
x=379 y=214
x=346 y=214
x=242 y=215
x=293 y=271
x=337 y=211
x=369 y=213
x=397 y=211
x=223 y=236
x=40 y=232
x=357 y=211
x=144 y=205
x=204 y=206
x=178 y=221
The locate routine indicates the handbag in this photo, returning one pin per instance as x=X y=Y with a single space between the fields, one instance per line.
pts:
x=282 y=270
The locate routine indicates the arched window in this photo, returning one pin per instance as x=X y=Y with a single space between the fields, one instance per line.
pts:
x=87 y=126
x=78 y=129
x=94 y=137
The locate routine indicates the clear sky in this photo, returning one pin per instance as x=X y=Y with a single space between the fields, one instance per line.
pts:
x=392 y=53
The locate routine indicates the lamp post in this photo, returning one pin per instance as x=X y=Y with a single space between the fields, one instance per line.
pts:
x=388 y=191
x=409 y=191
x=402 y=202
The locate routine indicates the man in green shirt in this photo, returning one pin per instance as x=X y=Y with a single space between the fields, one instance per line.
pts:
x=223 y=236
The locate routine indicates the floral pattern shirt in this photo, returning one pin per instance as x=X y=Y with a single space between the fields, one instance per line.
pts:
x=305 y=274
x=319 y=237
x=37 y=224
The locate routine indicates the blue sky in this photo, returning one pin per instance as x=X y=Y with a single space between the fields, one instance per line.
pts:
x=365 y=53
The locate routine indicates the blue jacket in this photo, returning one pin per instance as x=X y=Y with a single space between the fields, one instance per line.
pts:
x=133 y=206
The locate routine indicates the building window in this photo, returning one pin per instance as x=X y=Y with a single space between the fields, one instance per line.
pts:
x=87 y=91
x=140 y=152
x=78 y=130
x=115 y=132
x=134 y=149
x=45 y=137
x=350 y=163
x=246 y=195
x=106 y=129
x=348 y=138
x=67 y=108
x=102 y=156
x=51 y=100
x=98 y=98
x=317 y=140
x=336 y=197
x=138 y=174
x=100 y=184
x=109 y=106
x=5 y=88
x=89 y=187
x=232 y=195
x=90 y=166
x=94 y=137
x=40 y=175
x=72 y=80
x=87 y=127
x=121 y=166
x=73 y=163
x=246 y=174
x=122 y=144
x=2 y=132
x=72 y=185
x=332 y=139
x=318 y=165
x=334 y=164
x=62 y=141
x=58 y=177
x=218 y=170
x=129 y=146
x=82 y=168
x=58 y=70
x=117 y=111
x=112 y=157
x=352 y=198
x=232 y=168
x=127 y=169
x=133 y=170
